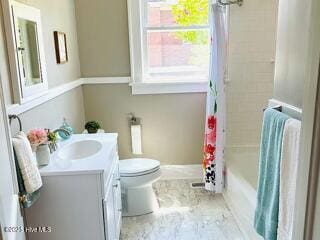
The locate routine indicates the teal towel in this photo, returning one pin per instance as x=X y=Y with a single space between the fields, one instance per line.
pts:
x=266 y=214
x=30 y=198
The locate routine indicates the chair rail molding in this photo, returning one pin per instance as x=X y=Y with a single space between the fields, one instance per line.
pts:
x=143 y=88
x=61 y=89
x=106 y=80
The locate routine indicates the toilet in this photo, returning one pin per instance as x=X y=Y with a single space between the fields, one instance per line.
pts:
x=137 y=176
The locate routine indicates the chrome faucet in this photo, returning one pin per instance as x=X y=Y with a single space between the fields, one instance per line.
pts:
x=66 y=132
x=53 y=146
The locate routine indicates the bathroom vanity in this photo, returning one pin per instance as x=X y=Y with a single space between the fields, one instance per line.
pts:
x=81 y=195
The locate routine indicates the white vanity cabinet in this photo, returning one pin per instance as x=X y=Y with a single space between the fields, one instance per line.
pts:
x=112 y=206
x=78 y=204
x=117 y=200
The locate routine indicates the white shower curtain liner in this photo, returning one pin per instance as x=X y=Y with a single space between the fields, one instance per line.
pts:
x=213 y=162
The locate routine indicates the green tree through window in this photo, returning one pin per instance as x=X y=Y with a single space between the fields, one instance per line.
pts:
x=190 y=13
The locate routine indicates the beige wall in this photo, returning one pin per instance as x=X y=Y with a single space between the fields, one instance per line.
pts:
x=252 y=43
x=172 y=124
x=59 y=15
x=316 y=154
x=50 y=115
x=55 y=15
x=103 y=38
x=252 y=50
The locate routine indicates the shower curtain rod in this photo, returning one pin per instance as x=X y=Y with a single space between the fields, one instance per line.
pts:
x=239 y=2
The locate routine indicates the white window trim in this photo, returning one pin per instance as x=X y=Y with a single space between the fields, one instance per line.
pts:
x=136 y=51
x=172 y=87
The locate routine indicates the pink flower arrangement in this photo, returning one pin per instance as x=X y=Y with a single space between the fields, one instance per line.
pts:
x=37 y=137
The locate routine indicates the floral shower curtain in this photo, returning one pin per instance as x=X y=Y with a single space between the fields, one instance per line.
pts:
x=213 y=162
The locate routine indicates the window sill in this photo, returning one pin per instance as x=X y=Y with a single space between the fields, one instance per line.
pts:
x=165 y=88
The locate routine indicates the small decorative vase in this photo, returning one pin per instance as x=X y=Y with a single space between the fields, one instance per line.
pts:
x=43 y=154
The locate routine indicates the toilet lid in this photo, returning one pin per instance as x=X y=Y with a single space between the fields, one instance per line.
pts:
x=137 y=165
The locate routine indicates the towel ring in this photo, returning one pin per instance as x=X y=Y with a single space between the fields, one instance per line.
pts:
x=11 y=117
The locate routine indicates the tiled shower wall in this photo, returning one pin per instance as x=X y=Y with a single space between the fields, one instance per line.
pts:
x=252 y=36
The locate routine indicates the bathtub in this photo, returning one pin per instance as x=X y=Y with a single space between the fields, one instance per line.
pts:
x=240 y=194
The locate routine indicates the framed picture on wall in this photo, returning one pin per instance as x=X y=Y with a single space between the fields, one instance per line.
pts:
x=60 y=42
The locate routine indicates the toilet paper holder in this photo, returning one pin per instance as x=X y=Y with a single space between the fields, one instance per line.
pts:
x=133 y=120
x=135 y=127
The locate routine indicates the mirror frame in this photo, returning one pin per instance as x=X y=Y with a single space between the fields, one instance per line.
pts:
x=13 y=10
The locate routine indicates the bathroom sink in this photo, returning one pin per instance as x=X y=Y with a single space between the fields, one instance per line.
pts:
x=79 y=150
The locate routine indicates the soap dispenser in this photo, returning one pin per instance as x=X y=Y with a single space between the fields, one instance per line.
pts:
x=67 y=127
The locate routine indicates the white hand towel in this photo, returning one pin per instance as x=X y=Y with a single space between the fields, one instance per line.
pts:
x=29 y=170
x=288 y=176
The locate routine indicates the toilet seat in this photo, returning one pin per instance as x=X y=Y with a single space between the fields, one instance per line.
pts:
x=138 y=166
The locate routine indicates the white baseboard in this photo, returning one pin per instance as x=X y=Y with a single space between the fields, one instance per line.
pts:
x=172 y=172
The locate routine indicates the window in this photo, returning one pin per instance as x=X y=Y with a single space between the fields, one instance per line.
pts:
x=169 y=42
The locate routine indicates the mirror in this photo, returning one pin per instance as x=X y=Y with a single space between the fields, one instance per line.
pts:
x=26 y=53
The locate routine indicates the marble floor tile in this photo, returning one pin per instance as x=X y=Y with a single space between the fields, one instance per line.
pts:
x=185 y=213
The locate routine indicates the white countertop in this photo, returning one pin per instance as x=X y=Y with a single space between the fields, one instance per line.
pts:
x=98 y=162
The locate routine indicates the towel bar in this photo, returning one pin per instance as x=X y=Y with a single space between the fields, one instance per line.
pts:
x=278 y=108
x=288 y=109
